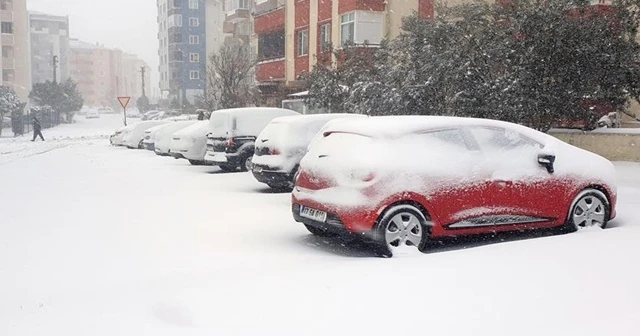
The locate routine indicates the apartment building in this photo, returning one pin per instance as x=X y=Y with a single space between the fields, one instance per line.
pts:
x=189 y=30
x=14 y=38
x=49 y=39
x=291 y=34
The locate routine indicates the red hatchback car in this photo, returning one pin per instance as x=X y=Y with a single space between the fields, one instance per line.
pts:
x=403 y=180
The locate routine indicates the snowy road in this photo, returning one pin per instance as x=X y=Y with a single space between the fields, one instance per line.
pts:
x=96 y=240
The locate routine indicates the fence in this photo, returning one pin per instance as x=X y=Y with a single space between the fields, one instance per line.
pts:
x=615 y=144
x=24 y=124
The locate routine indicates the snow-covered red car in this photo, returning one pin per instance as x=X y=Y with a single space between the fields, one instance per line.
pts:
x=283 y=143
x=402 y=181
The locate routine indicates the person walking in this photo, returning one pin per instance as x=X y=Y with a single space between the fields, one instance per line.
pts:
x=37 y=129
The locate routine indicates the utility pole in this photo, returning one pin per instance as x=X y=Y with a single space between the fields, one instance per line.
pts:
x=143 y=70
x=55 y=69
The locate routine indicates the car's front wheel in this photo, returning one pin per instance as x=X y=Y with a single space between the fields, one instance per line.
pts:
x=227 y=168
x=247 y=163
x=400 y=226
x=591 y=208
x=196 y=162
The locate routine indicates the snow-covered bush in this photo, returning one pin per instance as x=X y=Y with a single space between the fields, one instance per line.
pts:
x=9 y=103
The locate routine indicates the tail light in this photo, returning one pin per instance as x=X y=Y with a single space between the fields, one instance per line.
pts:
x=363 y=175
x=274 y=151
x=231 y=143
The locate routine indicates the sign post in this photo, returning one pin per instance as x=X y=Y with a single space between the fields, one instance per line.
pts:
x=124 y=101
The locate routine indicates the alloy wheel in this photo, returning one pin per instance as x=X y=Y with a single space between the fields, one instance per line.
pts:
x=403 y=229
x=589 y=211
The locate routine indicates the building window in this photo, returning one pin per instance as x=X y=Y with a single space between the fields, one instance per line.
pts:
x=193 y=4
x=194 y=58
x=194 y=39
x=175 y=21
x=7 y=28
x=233 y=5
x=177 y=3
x=175 y=38
x=194 y=22
x=347 y=28
x=303 y=43
x=271 y=45
x=194 y=74
x=325 y=37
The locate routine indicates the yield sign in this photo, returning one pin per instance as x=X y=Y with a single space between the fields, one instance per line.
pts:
x=124 y=101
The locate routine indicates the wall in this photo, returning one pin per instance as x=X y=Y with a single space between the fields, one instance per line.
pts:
x=614 y=144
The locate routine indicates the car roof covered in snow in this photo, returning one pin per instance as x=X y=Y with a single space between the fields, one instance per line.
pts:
x=396 y=126
x=253 y=110
x=199 y=127
x=309 y=118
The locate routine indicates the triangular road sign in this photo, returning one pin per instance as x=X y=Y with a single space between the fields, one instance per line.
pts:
x=124 y=101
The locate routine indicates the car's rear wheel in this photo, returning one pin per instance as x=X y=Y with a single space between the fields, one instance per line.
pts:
x=319 y=232
x=141 y=144
x=591 y=208
x=247 y=163
x=400 y=226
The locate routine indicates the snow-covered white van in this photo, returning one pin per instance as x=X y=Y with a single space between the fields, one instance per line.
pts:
x=233 y=132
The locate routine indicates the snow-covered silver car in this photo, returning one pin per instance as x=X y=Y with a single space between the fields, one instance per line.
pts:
x=133 y=137
x=283 y=143
x=191 y=143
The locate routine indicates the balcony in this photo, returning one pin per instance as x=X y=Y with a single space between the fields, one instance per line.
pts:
x=269 y=21
x=237 y=10
x=268 y=6
x=271 y=70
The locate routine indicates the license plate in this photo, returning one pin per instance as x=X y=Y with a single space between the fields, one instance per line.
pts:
x=313 y=214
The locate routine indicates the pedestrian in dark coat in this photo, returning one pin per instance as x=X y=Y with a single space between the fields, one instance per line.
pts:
x=37 y=129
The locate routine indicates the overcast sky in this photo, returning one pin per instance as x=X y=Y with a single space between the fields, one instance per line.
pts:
x=129 y=25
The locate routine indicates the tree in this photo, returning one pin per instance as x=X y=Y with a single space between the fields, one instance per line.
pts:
x=63 y=97
x=229 y=80
x=143 y=104
x=534 y=62
x=9 y=104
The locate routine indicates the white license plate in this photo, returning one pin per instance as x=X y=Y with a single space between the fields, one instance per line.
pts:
x=313 y=214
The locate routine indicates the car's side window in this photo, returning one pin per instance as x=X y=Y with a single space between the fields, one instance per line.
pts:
x=499 y=139
x=453 y=137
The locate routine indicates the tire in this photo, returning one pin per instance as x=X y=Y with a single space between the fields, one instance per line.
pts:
x=227 y=168
x=141 y=144
x=590 y=208
x=246 y=163
x=280 y=188
x=319 y=232
x=402 y=224
x=196 y=162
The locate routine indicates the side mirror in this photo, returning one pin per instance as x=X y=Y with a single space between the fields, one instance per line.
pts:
x=547 y=161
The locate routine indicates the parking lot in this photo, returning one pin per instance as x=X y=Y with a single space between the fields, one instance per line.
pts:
x=99 y=240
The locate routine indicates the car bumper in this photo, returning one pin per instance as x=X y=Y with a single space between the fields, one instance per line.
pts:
x=219 y=158
x=272 y=177
x=340 y=218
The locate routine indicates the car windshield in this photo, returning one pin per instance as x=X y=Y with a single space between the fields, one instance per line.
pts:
x=314 y=167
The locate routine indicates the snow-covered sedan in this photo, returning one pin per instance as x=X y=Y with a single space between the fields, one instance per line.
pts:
x=191 y=143
x=401 y=181
x=283 y=143
x=149 y=140
x=92 y=114
x=117 y=138
x=164 y=135
x=134 y=136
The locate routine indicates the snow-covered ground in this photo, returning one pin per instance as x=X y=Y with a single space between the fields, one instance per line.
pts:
x=96 y=240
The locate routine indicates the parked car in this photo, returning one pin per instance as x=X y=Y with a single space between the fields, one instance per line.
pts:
x=149 y=140
x=133 y=137
x=134 y=113
x=106 y=110
x=283 y=143
x=191 y=143
x=402 y=181
x=231 y=143
x=164 y=135
x=117 y=138
x=149 y=115
x=92 y=114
